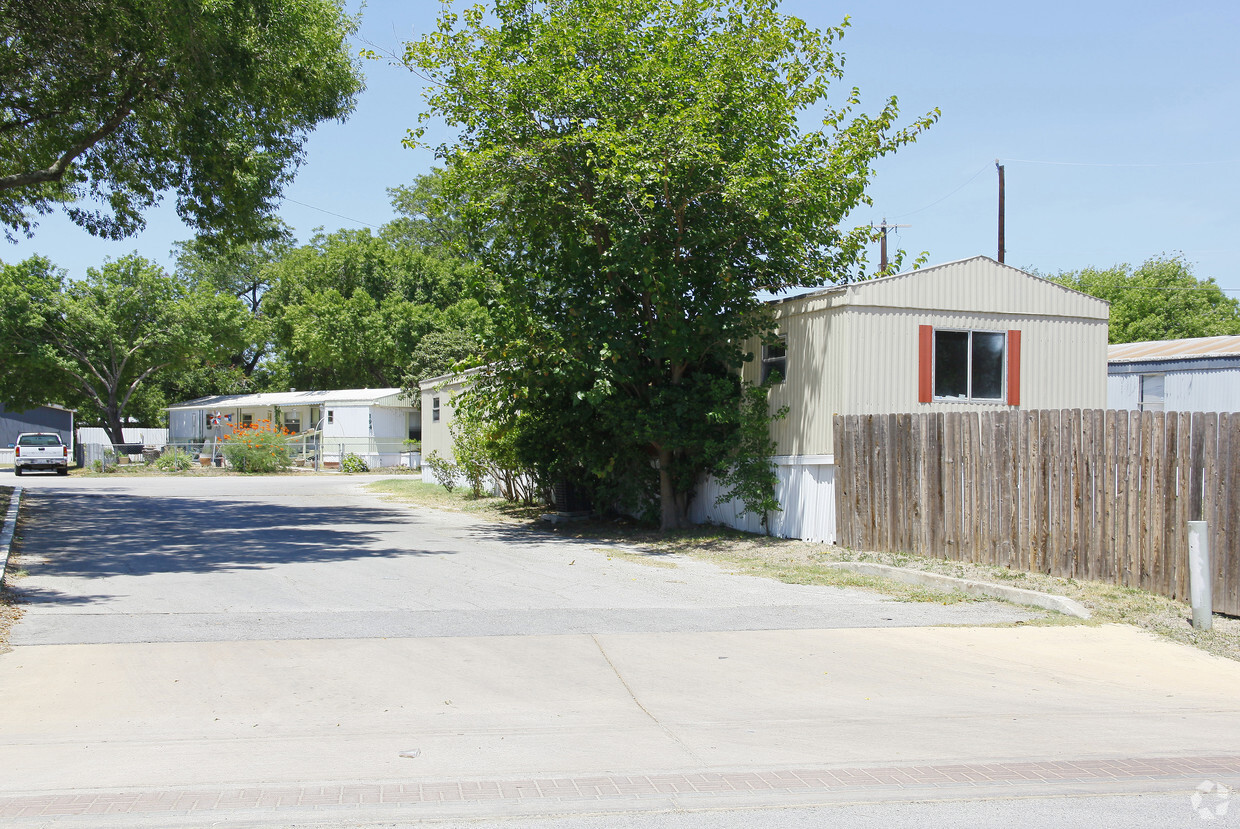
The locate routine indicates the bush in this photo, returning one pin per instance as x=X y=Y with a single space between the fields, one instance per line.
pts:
x=259 y=447
x=174 y=460
x=445 y=471
x=353 y=463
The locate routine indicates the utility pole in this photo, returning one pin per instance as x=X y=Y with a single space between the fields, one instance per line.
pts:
x=1002 y=245
x=882 y=248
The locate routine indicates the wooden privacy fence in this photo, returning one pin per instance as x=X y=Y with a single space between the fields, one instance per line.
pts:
x=1093 y=494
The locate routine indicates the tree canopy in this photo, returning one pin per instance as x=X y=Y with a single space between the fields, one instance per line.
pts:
x=1160 y=300
x=639 y=171
x=100 y=342
x=107 y=104
x=350 y=309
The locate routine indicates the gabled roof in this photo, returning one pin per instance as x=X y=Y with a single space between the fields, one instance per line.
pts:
x=978 y=284
x=1194 y=348
x=339 y=397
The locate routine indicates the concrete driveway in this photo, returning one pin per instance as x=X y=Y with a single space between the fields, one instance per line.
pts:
x=293 y=649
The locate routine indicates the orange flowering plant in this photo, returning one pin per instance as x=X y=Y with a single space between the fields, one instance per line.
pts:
x=261 y=446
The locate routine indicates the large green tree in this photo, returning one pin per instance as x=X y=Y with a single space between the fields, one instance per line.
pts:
x=107 y=104
x=244 y=270
x=642 y=169
x=350 y=309
x=1161 y=300
x=100 y=342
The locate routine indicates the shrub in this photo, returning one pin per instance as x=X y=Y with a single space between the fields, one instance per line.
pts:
x=353 y=463
x=258 y=447
x=174 y=460
x=445 y=471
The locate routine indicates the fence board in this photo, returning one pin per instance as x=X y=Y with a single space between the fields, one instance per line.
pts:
x=1120 y=486
x=1183 y=455
x=1230 y=552
x=952 y=508
x=934 y=485
x=1229 y=479
x=1093 y=494
x=1132 y=555
x=1110 y=503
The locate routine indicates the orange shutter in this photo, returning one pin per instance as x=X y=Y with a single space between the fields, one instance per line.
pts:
x=925 y=364
x=1013 y=368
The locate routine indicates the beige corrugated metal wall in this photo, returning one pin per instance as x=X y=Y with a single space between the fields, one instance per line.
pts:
x=854 y=349
x=435 y=434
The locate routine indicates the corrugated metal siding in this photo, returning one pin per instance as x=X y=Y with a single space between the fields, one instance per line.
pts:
x=1123 y=391
x=854 y=351
x=817 y=349
x=436 y=436
x=806 y=493
x=1202 y=391
x=1183 y=391
x=981 y=286
x=865 y=362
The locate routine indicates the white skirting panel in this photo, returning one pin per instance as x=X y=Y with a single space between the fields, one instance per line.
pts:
x=806 y=491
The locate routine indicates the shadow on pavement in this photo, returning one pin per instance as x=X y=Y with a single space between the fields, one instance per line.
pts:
x=89 y=535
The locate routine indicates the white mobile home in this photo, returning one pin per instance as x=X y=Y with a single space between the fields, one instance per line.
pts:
x=971 y=335
x=1201 y=374
x=372 y=423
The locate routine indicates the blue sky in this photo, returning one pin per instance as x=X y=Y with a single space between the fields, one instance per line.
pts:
x=1116 y=123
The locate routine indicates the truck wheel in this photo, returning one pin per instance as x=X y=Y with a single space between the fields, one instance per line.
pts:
x=17 y=470
x=62 y=470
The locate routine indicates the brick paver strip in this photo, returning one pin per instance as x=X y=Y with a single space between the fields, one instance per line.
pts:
x=594 y=787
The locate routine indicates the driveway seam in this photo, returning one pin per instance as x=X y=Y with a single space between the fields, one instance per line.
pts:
x=629 y=690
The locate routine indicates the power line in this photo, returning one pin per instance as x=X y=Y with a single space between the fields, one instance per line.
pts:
x=337 y=215
x=1142 y=164
x=983 y=169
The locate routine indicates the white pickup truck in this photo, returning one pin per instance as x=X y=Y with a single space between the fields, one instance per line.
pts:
x=40 y=450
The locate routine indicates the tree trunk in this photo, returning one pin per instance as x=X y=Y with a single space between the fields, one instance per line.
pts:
x=113 y=427
x=669 y=509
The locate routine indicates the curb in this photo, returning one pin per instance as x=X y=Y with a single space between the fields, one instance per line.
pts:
x=10 y=526
x=1016 y=595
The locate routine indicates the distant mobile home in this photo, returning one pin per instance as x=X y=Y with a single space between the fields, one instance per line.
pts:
x=371 y=423
x=971 y=335
x=1201 y=374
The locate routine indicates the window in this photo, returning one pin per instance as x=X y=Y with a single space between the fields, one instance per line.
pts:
x=435 y=409
x=1152 y=386
x=969 y=365
x=775 y=360
x=247 y=420
x=40 y=440
x=292 y=422
x=331 y=416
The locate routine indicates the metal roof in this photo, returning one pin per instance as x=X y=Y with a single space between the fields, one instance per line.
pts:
x=976 y=283
x=1189 y=349
x=372 y=397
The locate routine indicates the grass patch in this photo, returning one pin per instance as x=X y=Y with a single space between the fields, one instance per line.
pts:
x=415 y=491
x=648 y=559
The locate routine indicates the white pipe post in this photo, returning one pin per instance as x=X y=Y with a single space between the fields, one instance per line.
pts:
x=1199 y=586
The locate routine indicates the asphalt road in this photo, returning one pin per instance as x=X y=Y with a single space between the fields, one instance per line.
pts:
x=231 y=558
x=293 y=651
